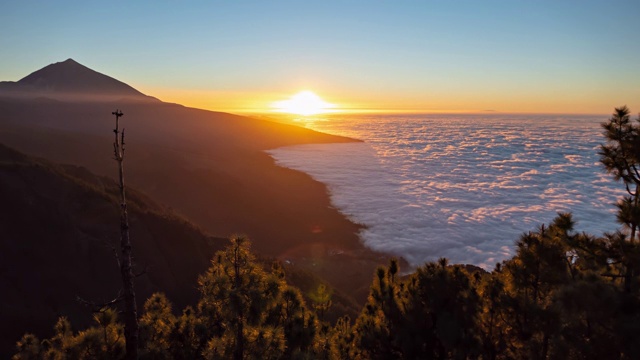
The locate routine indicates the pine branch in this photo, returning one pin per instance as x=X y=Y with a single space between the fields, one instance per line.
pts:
x=613 y=276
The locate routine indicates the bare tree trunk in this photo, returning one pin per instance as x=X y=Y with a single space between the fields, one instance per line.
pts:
x=130 y=311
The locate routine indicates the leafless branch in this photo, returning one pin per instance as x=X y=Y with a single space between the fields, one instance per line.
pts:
x=97 y=307
x=141 y=273
x=115 y=253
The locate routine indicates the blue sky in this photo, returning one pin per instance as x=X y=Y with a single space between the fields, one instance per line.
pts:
x=542 y=56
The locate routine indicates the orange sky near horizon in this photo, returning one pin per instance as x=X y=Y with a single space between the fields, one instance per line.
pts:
x=423 y=56
x=248 y=102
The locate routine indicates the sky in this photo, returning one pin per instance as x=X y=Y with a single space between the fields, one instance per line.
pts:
x=426 y=56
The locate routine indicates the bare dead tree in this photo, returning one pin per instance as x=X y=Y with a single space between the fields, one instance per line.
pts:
x=126 y=271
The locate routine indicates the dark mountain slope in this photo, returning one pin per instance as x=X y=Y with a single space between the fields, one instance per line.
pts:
x=59 y=227
x=208 y=166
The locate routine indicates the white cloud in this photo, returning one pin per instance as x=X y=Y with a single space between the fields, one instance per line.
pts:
x=458 y=187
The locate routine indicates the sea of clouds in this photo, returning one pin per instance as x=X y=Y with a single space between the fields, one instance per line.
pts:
x=461 y=187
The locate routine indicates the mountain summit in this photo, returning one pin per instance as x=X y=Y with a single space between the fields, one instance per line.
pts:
x=69 y=80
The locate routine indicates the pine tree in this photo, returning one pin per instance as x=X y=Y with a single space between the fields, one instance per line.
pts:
x=444 y=306
x=237 y=298
x=376 y=329
x=532 y=279
x=321 y=300
x=621 y=158
x=29 y=348
x=156 y=325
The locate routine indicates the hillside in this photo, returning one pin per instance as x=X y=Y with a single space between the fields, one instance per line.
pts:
x=207 y=166
x=60 y=226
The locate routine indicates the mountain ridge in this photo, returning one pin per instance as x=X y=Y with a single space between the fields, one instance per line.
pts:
x=69 y=79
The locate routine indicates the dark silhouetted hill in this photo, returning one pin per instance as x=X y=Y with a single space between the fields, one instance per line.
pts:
x=60 y=226
x=209 y=167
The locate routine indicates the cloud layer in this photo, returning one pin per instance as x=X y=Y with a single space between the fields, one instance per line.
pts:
x=461 y=187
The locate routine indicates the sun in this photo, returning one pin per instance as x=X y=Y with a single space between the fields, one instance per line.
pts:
x=303 y=103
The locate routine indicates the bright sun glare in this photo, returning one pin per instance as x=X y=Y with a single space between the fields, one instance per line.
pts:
x=304 y=103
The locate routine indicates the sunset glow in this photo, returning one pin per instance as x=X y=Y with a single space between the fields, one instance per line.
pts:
x=304 y=103
x=478 y=158
x=394 y=59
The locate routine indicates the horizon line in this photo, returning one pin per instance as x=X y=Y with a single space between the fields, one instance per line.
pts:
x=361 y=111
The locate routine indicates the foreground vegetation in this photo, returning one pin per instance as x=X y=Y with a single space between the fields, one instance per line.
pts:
x=563 y=294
